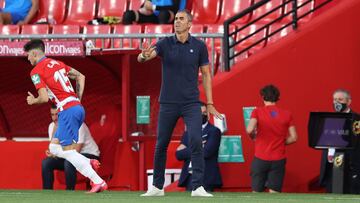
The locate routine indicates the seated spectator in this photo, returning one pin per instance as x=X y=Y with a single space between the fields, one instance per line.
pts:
x=86 y=146
x=211 y=137
x=18 y=12
x=155 y=11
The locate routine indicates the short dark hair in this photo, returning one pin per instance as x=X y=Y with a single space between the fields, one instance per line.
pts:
x=53 y=106
x=188 y=14
x=270 y=93
x=34 y=44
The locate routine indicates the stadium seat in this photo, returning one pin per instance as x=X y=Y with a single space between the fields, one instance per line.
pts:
x=305 y=8
x=126 y=29
x=9 y=29
x=51 y=10
x=99 y=29
x=66 y=29
x=266 y=8
x=282 y=33
x=35 y=29
x=135 y=4
x=111 y=7
x=152 y=29
x=205 y=11
x=232 y=7
x=216 y=28
x=80 y=11
x=2 y=3
x=253 y=39
x=197 y=28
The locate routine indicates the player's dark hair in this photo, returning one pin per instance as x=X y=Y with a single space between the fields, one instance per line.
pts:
x=270 y=93
x=53 y=106
x=34 y=44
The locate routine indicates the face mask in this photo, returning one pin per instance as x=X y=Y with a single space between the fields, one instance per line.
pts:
x=204 y=119
x=340 y=107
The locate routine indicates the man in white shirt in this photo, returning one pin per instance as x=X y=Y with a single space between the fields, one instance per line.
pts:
x=86 y=146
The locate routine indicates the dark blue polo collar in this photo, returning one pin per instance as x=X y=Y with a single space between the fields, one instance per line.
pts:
x=188 y=40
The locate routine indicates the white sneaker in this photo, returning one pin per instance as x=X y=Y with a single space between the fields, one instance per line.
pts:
x=153 y=191
x=200 y=192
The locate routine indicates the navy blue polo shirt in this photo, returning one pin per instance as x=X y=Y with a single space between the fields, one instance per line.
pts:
x=180 y=68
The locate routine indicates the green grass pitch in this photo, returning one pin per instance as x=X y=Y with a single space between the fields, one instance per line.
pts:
x=35 y=196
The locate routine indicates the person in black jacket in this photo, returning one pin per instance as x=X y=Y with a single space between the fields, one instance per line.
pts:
x=211 y=137
x=154 y=11
x=341 y=102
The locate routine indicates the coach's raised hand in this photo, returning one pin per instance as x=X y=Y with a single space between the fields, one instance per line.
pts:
x=147 y=53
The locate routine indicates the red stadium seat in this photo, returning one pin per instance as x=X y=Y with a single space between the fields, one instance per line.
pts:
x=216 y=28
x=282 y=33
x=307 y=7
x=205 y=11
x=9 y=29
x=99 y=29
x=126 y=29
x=197 y=28
x=266 y=8
x=111 y=8
x=232 y=7
x=66 y=29
x=35 y=29
x=158 y=29
x=135 y=4
x=80 y=11
x=2 y=3
x=52 y=10
x=253 y=39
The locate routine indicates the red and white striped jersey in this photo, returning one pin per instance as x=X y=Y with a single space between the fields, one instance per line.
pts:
x=53 y=75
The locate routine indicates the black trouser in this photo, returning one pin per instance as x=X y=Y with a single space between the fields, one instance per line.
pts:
x=168 y=116
x=268 y=174
x=355 y=171
x=163 y=18
x=50 y=164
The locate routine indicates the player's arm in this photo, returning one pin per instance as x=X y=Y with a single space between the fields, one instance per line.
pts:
x=78 y=147
x=42 y=98
x=80 y=81
x=206 y=76
x=33 y=10
x=292 y=138
x=251 y=128
x=147 y=54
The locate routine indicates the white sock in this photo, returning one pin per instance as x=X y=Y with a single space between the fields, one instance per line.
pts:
x=82 y=164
